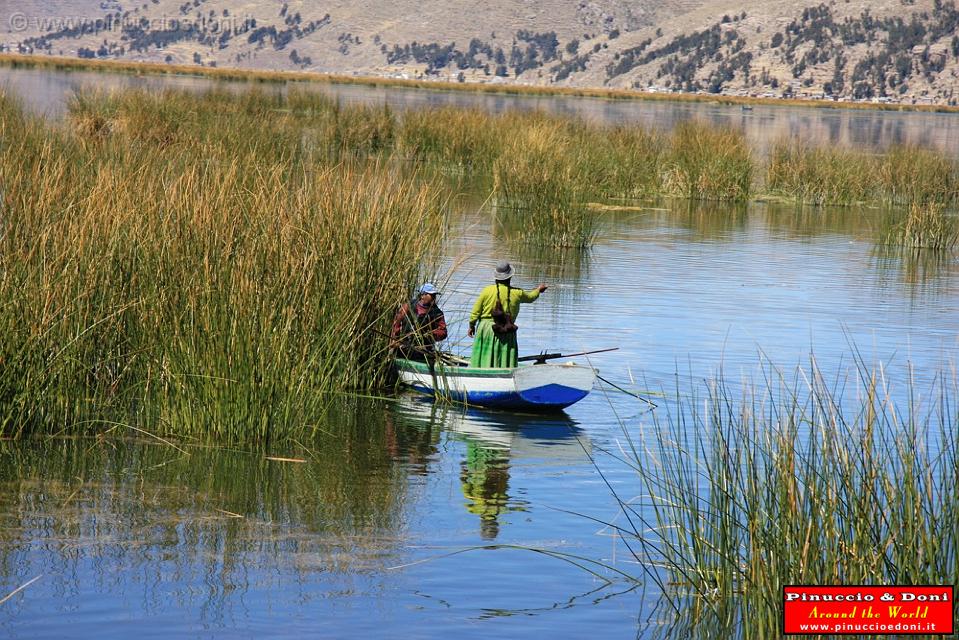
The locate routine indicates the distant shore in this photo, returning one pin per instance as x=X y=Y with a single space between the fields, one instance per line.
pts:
x=61 y=63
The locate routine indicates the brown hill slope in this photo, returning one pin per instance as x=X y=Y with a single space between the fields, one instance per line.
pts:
x=902 y=50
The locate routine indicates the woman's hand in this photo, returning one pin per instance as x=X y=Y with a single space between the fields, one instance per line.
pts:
x=470 y=332
x=542 y=288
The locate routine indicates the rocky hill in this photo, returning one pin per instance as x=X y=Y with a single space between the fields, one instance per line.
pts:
x=890 y=50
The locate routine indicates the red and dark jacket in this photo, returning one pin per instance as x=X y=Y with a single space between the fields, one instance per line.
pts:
x=416 y=325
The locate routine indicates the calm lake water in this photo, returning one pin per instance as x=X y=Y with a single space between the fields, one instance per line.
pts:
x=47 y=91
x=406 y=519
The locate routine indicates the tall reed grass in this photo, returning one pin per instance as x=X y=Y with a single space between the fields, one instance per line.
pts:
x=626 y=162
x=797 y=481
x=552 y=168
x=818 y=175
x=541 y=190
x=926 y=226
x=708 y=163
x=457 y=138
x=544 y=168
x=903 y=175
x=181 y=259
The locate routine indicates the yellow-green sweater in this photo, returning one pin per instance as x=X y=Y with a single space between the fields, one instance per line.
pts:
x=486 y=301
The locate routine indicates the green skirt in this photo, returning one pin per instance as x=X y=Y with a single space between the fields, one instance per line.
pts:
x=493 y=350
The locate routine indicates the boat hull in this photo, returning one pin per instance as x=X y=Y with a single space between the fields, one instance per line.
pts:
x=533 y=387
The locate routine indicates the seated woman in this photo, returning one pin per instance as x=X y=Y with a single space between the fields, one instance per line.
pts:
x=492 y=321
x=418 y=326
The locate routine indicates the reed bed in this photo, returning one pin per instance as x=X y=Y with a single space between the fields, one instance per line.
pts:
x=457 y=138
x=708 y=163
x=801 y=481
x=926 y=226
x=545 y=169
x=184 y=260
x=909 y=175
x=817 y=176
x=541 y=191
x=552 y=168
x=213 y=259
x=904 y=175
x=625 y=163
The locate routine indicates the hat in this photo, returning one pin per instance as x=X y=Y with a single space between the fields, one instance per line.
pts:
x=504 y=271
x=430 y=288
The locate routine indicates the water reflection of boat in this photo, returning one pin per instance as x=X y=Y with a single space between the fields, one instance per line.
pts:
x=556 y=436
x=494 y=441
x=532 y=387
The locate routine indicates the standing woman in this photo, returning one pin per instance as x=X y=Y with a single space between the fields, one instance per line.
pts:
x=495 y=312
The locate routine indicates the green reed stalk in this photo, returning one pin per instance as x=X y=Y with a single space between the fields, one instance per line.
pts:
x=456 y=138
x=795 y=482
x=819 y=175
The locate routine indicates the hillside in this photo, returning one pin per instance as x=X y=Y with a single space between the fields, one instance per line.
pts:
x=891 y=50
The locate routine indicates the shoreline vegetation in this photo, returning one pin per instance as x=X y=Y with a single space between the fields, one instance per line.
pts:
x=543 y=194
x=63 y=63
x=169 y=251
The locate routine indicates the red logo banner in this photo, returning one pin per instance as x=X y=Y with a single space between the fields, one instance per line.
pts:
x=909 y=610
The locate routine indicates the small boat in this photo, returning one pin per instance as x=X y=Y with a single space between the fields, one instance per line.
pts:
x=531 y=387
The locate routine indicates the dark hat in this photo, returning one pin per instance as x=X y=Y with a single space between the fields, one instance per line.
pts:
x=504 y=271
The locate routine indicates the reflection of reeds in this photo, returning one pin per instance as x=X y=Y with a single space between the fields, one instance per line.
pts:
x=795 y=483
x=554 y=264
x=931 y=269
x=336 y=512
x=709 y=219
x=193 y=263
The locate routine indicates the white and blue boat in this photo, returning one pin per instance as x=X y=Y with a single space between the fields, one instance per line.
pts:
x=532 y=387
